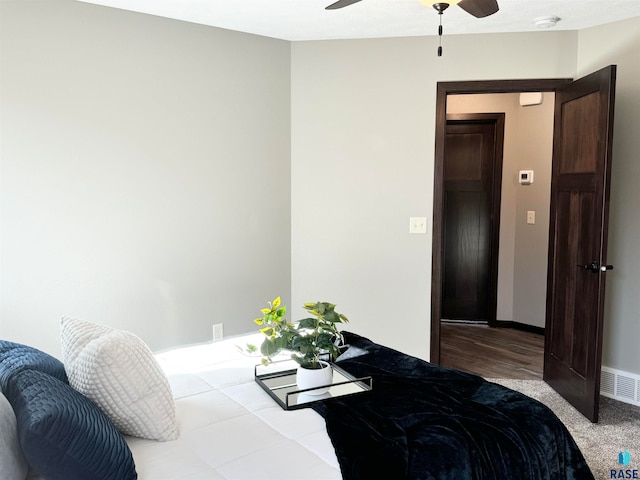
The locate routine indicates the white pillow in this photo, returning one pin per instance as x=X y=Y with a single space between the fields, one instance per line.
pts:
x=118 y=371
x=13 y=465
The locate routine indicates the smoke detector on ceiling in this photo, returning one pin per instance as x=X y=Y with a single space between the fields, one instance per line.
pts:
x=546 y=22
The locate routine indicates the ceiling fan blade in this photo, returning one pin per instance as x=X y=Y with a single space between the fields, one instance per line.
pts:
x=479 y=8
x=341 y=4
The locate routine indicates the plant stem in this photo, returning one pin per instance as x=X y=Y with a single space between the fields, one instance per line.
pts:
x=317 y=334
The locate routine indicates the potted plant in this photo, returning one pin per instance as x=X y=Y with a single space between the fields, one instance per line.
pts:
x=313 y=341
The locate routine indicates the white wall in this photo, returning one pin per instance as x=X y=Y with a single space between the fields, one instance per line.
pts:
x=619 y=43
x=145 y=174
x=363 y=124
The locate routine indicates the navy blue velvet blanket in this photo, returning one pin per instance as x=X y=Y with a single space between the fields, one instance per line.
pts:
x=423 y=421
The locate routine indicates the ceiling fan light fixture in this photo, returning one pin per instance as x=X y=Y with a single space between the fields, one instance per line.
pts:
x=439 y=6
x=431 y=3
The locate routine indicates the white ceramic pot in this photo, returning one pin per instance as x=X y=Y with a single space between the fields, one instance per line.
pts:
x=314 y=377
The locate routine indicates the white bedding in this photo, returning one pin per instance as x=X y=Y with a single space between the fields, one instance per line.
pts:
x=229 y=427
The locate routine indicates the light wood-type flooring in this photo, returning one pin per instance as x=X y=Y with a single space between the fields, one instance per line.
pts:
x=492 y=352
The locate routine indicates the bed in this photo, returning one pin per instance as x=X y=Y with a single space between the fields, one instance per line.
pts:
x=420 y=421
x=229 y=427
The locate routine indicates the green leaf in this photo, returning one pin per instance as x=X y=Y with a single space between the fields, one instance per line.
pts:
x=268 y=348
x=282 y=342
x=268 y=331
x=325 y=340
x=308 y=323
x=301 y=343
x=331 y=316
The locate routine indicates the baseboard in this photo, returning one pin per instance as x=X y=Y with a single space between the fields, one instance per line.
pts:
x=518 y=326
x=464 y=322
x=620 y=385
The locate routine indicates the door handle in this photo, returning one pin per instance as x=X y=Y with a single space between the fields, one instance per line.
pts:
x=594 y=267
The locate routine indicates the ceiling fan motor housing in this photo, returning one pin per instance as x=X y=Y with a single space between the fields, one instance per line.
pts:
x=440 y=7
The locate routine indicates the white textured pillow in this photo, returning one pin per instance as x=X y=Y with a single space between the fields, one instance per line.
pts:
x=13 y=465
x=118 y=371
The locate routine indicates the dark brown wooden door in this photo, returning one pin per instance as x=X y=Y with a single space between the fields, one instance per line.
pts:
x=580 y=185
x=471 y=221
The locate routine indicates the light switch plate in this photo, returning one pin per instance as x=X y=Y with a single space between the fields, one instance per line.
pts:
x=531 y=217
x=417 y=224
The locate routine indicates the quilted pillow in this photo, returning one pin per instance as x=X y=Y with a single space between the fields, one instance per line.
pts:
x=15 y=357
x=13 y=465
x=64 y=436
x=118 y=371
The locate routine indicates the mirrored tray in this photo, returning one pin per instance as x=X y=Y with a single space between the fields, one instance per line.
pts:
x=279 y=381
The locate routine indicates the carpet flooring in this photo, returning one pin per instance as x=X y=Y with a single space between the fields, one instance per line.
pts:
x=618 y=429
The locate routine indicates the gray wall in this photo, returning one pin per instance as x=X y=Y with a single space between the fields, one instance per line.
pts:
x=535 y=142
x=363 y=124
x=145 y=174
x=622 y=331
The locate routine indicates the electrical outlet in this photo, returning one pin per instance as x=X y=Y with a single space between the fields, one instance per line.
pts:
x=218 y=332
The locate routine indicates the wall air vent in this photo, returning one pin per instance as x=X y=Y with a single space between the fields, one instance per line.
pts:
x=620 y=385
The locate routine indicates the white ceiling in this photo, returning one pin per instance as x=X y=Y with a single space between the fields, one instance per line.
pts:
x=297 y=20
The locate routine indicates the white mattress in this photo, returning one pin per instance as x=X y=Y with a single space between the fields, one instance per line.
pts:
x=229 y=427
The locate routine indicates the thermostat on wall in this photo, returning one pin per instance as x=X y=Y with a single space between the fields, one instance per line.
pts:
x=525 y=177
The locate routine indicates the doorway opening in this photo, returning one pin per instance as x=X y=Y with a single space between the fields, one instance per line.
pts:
x=445 y=90
x=498 y=261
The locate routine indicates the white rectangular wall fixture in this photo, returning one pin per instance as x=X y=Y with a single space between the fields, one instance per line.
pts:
x=530 y=98
x=531 y=217
x=620 y=385
x=525 y=177
x=417 y=224
x=218 y=332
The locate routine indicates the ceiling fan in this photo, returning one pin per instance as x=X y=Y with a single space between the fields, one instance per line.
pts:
x=477 y=8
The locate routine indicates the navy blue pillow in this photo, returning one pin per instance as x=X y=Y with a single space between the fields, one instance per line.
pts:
x=15 y=357
x=65 y=436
